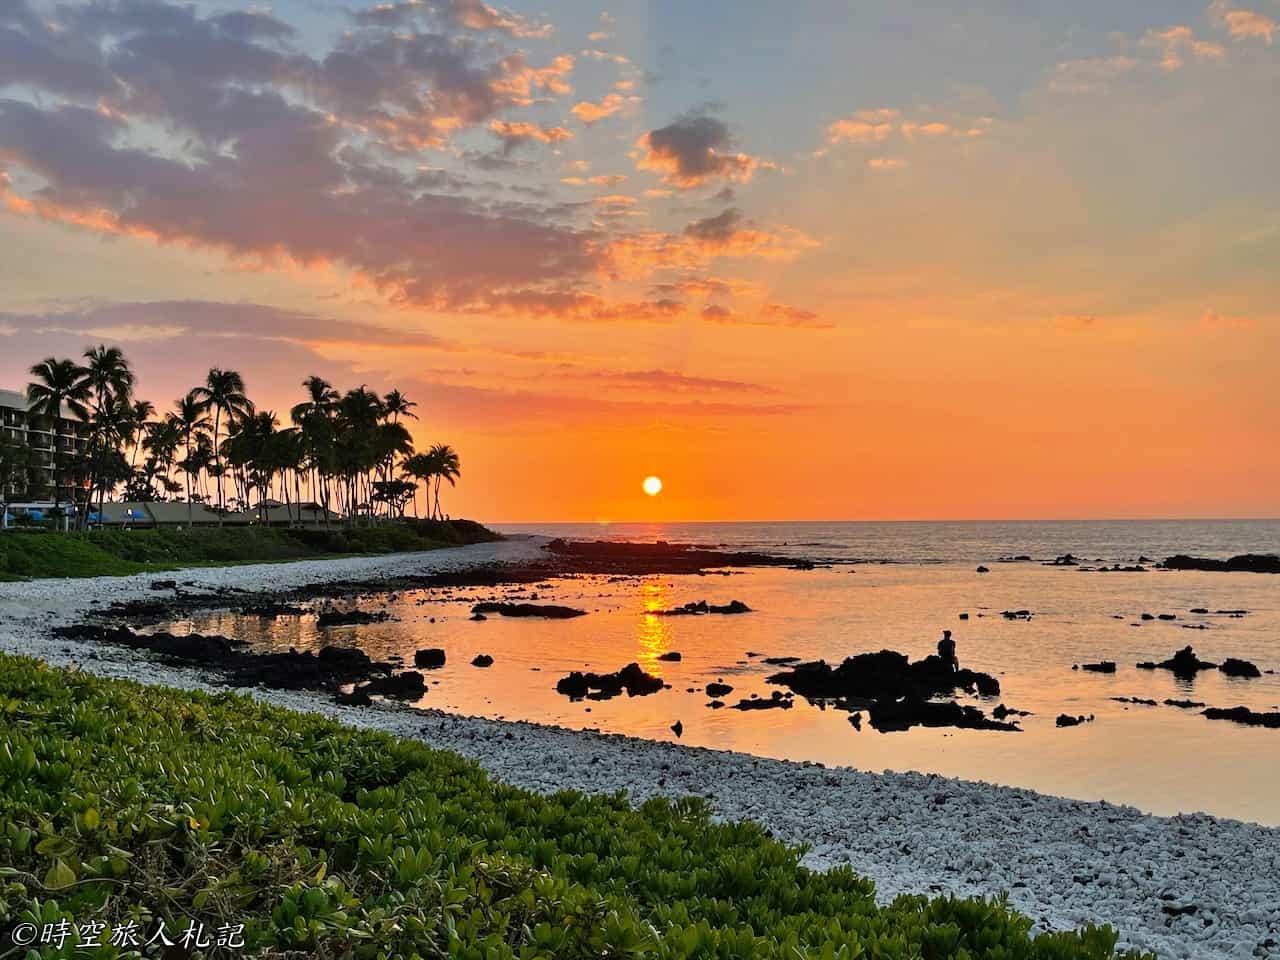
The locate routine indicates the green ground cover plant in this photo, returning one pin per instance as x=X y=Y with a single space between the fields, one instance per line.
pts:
x=120 y=803
x=34 y=554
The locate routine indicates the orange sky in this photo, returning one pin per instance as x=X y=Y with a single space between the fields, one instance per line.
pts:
x=845 y=270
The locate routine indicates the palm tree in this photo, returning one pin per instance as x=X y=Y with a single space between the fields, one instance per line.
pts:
x=445 y=466
x=420 y=468
x=59 y=385
x=223 y=392
x=397 y=405
x=140 y=414
x=111 y=382
x=108 y=374
x=189 y=422
x=315 y=422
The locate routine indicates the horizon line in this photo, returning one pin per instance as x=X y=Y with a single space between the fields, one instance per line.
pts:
x=609 y=523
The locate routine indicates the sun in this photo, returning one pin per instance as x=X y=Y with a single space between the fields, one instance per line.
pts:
x=652 y=486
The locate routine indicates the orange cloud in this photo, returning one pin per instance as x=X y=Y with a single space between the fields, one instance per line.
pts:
x=521 y=130
x=693 y=150
x=590 y=113
x=519 y=80
x=724 y=235
x=871 y=126
x=1177 y=43
x=864 y=126
x=769 y=315
x=1244 y=23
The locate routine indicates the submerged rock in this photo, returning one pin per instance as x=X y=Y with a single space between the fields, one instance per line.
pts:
x=1104 y=666
x=896 y=692
x=431 y=658
x=1233 y=667
x=550 y=610
x=719 y=689
x=1184 y=663
x=700 y=607
x=1244 y=715
x=482 y=660
x=671 y=656
x=778 y=701
x=1184 y=704
x=409 y=685
x=345 y=618
x=1246 y=563
x=1066 y=720
x=604 y=686
x=884 y=675
x=1001 y=711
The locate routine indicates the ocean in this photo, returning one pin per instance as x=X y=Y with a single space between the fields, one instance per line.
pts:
x=894 y=586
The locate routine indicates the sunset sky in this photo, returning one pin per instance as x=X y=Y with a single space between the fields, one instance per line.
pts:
x=801 y=261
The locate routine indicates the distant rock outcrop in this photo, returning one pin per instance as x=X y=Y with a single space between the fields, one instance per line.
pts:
x=1245 y=563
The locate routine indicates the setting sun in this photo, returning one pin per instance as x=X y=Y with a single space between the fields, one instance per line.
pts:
x=652 y=486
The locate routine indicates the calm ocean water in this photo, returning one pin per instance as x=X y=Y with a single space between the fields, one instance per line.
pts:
x=915 y=579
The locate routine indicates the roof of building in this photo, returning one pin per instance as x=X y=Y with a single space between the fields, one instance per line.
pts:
x=303 y=513
x=13 y=400
x=176 y=512
x=125 y=513
x=17 y=400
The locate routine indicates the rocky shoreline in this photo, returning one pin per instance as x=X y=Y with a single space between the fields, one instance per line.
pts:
x=1188 y=886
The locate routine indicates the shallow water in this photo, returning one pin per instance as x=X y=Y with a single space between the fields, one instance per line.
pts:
x=1161 y=759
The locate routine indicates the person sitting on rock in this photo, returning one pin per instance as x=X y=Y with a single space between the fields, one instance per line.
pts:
x=947 y=652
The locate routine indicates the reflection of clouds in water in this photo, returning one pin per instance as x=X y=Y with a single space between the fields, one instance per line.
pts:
x=654 y=632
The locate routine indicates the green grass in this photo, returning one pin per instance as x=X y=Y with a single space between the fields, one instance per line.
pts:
x=121 y=802
x=34 y=554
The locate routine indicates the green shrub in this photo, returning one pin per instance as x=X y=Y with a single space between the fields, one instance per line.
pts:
x=122 y=802
x=121 y=552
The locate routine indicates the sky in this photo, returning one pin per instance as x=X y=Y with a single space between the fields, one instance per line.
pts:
x=814 y=260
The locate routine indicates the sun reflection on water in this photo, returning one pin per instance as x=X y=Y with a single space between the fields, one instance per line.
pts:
x=653 y=632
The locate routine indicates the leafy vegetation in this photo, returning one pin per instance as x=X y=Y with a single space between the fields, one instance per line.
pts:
x=345 y=449
x=26 y=554
x=120 y=802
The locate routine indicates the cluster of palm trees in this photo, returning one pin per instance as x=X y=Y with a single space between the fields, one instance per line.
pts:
x=351 y=452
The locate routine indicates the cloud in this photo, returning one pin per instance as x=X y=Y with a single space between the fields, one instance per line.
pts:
x=727 y=234
x=578 y=306
x=883 y=123
x=1089 y=75
x=1244 y=23
x=678 y=382
x=471 y=14
x=513 y=133
x=864 y=126
x=1178 y=43
x=769 y=315
x=159 y=122
x=694 y=149
x=591 y=113
x=172 y=319
x=886 y=163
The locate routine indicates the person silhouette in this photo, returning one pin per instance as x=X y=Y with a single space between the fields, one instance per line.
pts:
x=947 y=652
